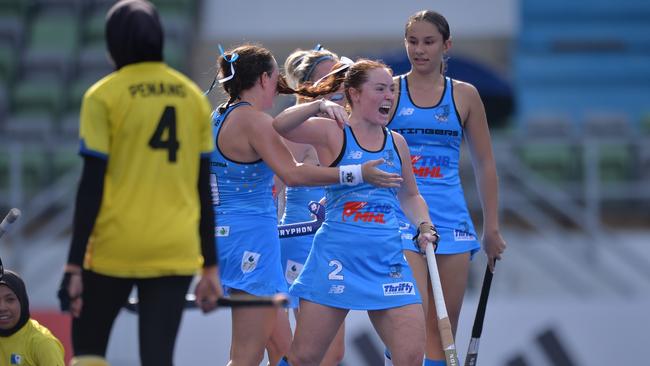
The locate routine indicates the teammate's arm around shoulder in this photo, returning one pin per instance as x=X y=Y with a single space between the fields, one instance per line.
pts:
x=478 y=138
x=300 y=124
x=268 y=144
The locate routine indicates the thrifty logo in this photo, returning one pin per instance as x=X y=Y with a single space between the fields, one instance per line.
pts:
x=399 y=288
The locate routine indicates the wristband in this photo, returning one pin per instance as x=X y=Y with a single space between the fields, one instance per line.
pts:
x=350 y=175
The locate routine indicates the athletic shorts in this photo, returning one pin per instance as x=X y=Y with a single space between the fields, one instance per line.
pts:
x=360 y=271
x=249 y=255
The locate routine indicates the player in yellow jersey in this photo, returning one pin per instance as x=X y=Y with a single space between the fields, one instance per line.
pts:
x=143 y=214
x=23 y=341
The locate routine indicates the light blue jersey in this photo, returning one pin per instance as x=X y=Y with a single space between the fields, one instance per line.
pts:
x=434 y=135
x=356 y=260
x=246 y=228
x=296 y=248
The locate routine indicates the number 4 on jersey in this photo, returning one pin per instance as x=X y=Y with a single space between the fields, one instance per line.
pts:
x=167 y=123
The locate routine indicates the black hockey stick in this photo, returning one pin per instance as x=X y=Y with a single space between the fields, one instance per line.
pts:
x=477 y=329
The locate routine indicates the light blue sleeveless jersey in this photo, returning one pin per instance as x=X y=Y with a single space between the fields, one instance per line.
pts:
x=434 y=135
x=356 y=261
x=246 y=221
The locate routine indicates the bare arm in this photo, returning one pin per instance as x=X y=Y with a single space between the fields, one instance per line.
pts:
x=299 y=124
x=480 y=146
x=326 y=136
x=269 y=146
x=411 y=201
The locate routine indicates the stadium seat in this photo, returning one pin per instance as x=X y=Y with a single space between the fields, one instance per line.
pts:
x=53 y=42
x=69 y=125
x=12 y=20
x=38 y=95
x=8 y=61
x=4 y=107
x=616 y=162
x=29 y=127
x=65 y=160
x=554 y=161
x=548 y=125
x=607 y=125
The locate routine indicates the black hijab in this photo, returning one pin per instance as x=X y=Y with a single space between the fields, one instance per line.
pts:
x=16 y=284
x=134 y=33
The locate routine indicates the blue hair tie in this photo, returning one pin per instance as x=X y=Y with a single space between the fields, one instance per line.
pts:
x=233 y=57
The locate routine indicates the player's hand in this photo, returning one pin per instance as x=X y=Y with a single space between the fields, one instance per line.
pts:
x=377 y=177
x=426 y=234
x=208 y=290
x=494 y=246
x=70 y=291
x=334 y=111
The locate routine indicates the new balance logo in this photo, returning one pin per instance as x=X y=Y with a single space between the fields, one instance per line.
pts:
x=405 y=111
x=356 y=155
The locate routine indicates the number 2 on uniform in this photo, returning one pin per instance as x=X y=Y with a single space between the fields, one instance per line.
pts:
x=167 y=123
x=338 y=267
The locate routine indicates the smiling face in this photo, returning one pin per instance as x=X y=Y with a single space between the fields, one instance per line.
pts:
x=9 y=308
x=373 y=100
x=425 y=46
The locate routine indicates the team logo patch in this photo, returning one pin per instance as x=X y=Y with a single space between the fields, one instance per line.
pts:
x=389 y=157
x=16 y=359
x=405 y=111
x=337 y=289
x=222 y=231
x=292 y=271
x=398 y=289
x=442 y=113
x=356 y=155
x=396 y=271
x=249 y=261
x=463 y=236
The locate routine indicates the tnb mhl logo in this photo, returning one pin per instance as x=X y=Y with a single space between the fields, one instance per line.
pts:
x=429 y=166
x=364 y=212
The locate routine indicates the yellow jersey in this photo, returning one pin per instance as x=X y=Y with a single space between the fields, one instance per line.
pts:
x=32 y=345
x=152 y=124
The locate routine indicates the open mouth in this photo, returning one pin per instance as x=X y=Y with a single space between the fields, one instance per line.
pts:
x=384 y=109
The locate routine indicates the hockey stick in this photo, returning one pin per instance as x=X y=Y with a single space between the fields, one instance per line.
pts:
x=306 y=227
x=477 y=329
x=444 y=325
x=233 y=301
x=11 y=217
